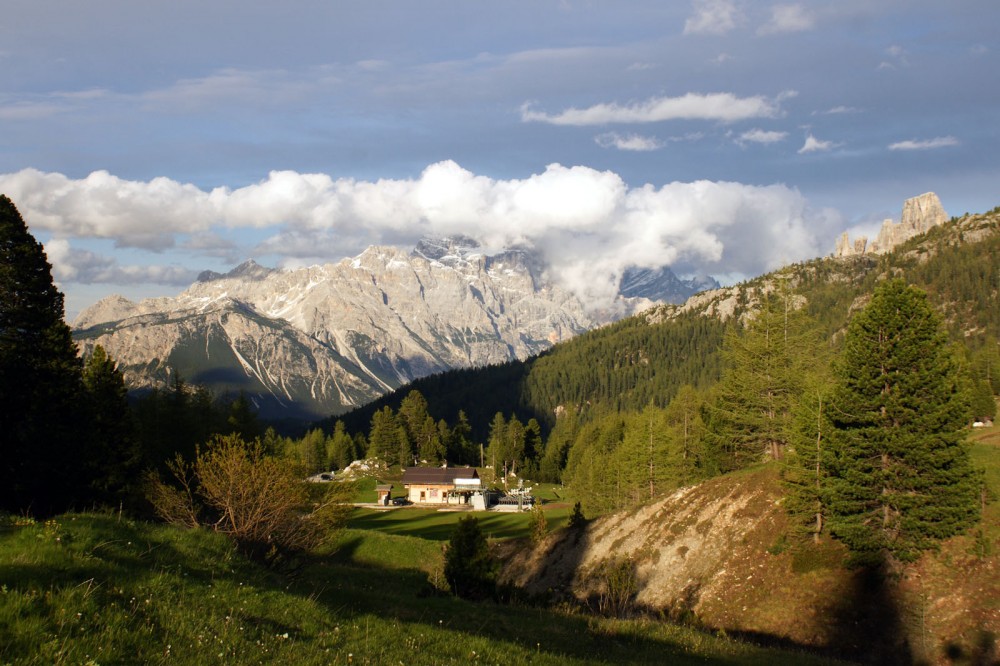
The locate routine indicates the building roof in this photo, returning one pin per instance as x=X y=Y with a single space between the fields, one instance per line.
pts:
x=437 y=475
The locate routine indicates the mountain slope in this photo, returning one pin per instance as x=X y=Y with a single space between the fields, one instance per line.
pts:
x=647 y=357
x=321 y=340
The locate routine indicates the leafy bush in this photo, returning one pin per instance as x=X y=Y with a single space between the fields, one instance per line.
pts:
x=257 y=500
x=618 y=583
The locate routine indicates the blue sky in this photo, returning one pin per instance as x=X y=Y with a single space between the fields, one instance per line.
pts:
x=146 y=141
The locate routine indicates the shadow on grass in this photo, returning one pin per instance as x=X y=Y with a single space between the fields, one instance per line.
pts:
x=868 y=624
x=400 y=596
x=129 y=556
x=435 y=525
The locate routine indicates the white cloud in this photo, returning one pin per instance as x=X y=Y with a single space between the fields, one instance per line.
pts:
x=814 y=145
x=788 y=18
x=713 y=17
x=839 y=110
x=588 y=224
x=84 y=267
x=925 y=144
x=632 y=142
x=761 y=136
x=724 y=107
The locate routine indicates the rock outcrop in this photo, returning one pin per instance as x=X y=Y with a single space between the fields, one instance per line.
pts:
x=920 y=215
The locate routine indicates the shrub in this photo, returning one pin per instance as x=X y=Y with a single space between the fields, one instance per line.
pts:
x=539 y=526
x=618 y=584
x=256 y=499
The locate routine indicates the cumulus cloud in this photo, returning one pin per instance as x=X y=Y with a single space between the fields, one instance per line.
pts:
x=925 y=144
x=70 y=264
x=814 y=145
x=724 y=107
x=713 y=17
x=788 y=18
x=757 y=135
x=587 y=224
x=633 y=142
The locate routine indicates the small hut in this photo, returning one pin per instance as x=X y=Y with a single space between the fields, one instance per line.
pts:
x=383 y=491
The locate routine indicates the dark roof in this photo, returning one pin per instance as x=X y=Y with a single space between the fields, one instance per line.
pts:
x=437 y=475
x=383 y=486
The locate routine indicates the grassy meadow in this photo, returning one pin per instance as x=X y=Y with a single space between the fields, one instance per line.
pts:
x=94 y=588
x=100 y=589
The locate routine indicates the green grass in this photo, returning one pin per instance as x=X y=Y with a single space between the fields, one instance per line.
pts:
x=435 y=525
x=985 y=453
x=93 y=589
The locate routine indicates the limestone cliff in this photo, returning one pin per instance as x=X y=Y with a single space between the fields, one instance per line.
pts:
x=920 y=215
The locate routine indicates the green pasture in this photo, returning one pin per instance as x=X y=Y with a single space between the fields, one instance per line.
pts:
x=97 y=589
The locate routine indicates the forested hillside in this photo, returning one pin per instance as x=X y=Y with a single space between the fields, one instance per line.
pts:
x=689 y=371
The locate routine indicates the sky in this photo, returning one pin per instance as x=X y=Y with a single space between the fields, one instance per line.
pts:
x=144 y=142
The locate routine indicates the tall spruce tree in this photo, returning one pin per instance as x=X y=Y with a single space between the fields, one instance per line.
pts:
x=40 y=379
x=901 y=477
x=765 y=364
x=114 y=459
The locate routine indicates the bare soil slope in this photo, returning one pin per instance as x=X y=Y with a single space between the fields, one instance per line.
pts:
x=719 y=555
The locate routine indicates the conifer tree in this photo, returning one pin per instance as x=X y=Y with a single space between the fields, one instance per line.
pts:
x=553 y=461
x=806 y=474
x=342 y=449
x=114 y=459
x=383 y=438
x=764 y=366
x=40 y=379
x=459 y=446
x=242 y=419
x=469 y=568
x=901 y=478
x=686 y=430
x=428 y=440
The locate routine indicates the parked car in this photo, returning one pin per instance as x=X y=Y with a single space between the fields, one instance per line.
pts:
x=400 y=501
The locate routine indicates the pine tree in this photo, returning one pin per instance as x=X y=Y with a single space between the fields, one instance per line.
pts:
x=341 y=450
x=765 y=365
x=114 y=459
x=807 y=471
x=459 y=443
x=242 y=419
x=686 y=431
x=383 y=438
x=469 y=568
x=40 y=379
x=902 y=478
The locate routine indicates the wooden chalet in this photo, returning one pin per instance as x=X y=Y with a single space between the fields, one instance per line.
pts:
x=441 y=485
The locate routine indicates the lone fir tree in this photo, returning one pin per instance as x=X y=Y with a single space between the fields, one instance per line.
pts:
x=40 y=378
x=901 y=478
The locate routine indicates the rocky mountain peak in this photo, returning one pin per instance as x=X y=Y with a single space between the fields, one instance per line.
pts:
x=248 y=270
x=661 y=284
x=323 y=339
x=441 y=249
x=920 y=214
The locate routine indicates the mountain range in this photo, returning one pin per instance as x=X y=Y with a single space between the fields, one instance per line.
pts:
x=321 y=340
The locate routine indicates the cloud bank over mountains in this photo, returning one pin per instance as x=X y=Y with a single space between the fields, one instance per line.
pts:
x=588 y=224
